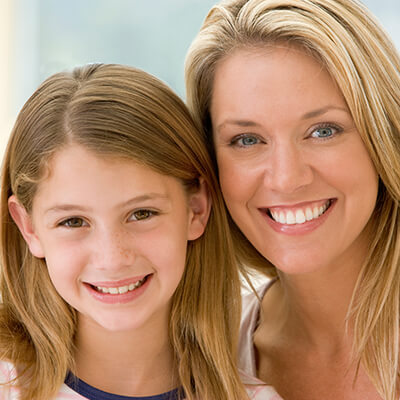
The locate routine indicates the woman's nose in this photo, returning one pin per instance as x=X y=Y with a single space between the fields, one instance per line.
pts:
x=288 y=169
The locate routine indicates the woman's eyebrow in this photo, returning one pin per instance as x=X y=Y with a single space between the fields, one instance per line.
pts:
x=322 y=110
x=238 y=122
x=310 y=114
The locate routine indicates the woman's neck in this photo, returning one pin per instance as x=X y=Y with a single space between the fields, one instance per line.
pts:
x=316 y=310
x=139 y=363
x=312 y=309
x=303 y=343
x=315 y=305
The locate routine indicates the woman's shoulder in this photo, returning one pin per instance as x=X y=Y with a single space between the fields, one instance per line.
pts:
x=251 y=300
x=251 y=305
x=258 y=390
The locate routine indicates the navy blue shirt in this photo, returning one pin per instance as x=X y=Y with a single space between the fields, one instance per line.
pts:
x=92 y=393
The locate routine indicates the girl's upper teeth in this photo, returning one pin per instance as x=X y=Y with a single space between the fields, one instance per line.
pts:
x=299 y=215
x=120 y=289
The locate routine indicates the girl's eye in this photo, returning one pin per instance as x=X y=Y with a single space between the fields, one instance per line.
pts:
x=325 y=132
x=141 y=214
x=245 y=140
x=74 y=222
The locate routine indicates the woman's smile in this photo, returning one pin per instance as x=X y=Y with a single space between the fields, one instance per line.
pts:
x=299 y=213
x=288 y=151
x=298 y=219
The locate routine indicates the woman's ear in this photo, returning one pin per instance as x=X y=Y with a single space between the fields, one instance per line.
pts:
x=24 y=222
x=199 y=208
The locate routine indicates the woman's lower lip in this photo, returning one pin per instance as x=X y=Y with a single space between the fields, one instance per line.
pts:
x=299 y=229
x=121 y=298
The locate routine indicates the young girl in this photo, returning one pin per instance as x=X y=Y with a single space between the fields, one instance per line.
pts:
x=112 y=284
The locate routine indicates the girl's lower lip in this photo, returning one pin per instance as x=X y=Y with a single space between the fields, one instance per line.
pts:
x=299 y=229
x=109 y=298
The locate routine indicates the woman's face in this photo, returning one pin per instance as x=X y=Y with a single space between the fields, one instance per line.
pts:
x=294 y=171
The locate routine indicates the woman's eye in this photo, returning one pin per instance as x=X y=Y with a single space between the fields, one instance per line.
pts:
x=74 y=222
x=245 y=140
x=141 y=214
x=325 y=132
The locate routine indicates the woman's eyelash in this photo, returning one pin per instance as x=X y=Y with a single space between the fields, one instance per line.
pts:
x=322 y=131
x=245 y=140
x=325 y=131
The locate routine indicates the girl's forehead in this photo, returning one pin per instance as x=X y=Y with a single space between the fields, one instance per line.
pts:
x=74 y=170
x=78 y=155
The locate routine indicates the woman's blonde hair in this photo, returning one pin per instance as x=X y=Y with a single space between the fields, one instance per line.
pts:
x=351 y=45
x=123 y=112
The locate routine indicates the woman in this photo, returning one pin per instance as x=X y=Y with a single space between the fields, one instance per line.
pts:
x=300 y=100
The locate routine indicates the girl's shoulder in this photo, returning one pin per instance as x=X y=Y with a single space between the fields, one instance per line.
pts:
x=8 y=390
x=7 y=372
x=66 y=393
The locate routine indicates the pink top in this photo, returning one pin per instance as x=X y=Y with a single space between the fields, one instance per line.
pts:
x=10 y=392
x=255 y=388
x=250 y=319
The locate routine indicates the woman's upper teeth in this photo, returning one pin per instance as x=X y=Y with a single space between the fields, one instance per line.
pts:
x=298 y=215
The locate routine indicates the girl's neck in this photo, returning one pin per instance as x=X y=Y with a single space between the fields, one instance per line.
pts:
x=138 y=363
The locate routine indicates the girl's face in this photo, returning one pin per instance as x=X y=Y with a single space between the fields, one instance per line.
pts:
x=114 y=235
x=294 y=171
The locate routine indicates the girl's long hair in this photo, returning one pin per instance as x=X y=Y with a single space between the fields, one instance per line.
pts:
x=122 y=112
x=347 y=40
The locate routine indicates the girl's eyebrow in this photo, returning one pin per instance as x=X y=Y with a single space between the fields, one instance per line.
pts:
x=66 y=207
x=145 y=197
x=75 y=207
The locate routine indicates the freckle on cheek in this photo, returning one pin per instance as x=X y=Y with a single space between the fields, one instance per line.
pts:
x=121 y=248
x=125 y=253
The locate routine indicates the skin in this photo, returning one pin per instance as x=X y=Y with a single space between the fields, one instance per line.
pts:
x=285 y=141
x=106 y=221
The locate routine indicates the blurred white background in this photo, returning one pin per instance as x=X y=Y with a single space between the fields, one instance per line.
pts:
x=41 y=37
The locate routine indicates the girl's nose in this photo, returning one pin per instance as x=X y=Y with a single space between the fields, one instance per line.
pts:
x=113 y=250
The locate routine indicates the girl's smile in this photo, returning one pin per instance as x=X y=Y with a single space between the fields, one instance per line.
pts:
x=118 y=292
x=114 y=235
x=106 y=192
